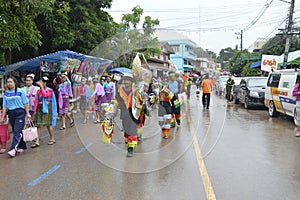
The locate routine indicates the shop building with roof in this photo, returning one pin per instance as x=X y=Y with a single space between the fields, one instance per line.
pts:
x=159 y=63
x=183 y=47
x=206 y=65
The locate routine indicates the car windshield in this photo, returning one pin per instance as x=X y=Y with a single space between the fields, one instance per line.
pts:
x=237 y=80
x=257 y=82
x=224 y=79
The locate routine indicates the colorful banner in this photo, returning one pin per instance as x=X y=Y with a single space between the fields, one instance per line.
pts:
x=69 y=64
x=269 y=63
x=49 y=66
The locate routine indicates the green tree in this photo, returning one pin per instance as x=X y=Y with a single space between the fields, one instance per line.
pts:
x=201 y=53
x=17 y=25
x=248 y=71
x=224 y=56
x=149 y=25
x=90 y=23
x=211 y=54
x=136 y=41
x=41 y=27
x=276 y=45
x=55 y=28
x=240 y=62
x=132 y=19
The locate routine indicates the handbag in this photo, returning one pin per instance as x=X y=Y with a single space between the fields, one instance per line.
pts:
x=29 y=133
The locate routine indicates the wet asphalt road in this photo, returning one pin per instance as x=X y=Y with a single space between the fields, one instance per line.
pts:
x=225 y=152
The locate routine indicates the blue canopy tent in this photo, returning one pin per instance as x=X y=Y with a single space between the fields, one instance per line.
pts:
x=255 y=64
x=33 y=64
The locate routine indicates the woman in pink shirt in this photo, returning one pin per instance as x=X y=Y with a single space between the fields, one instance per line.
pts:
x=45 y=110
x=296 y=93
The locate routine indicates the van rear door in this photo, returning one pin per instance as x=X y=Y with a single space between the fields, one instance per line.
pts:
x=285 y=89
x=271 y=91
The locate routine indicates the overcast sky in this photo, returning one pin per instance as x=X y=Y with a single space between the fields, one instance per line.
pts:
x=217 y=20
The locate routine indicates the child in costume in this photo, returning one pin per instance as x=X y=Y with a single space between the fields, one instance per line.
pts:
x=165 y=110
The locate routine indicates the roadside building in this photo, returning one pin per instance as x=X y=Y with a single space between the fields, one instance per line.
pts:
x=158 y=63
x=183 y=47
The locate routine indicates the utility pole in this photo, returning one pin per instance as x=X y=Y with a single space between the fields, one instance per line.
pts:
x=288 y=35
x=240 y=36
x=241 y=40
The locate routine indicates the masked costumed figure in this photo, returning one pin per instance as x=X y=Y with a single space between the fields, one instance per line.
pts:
x=124 y=98
x=108 y=123
x=165 y=109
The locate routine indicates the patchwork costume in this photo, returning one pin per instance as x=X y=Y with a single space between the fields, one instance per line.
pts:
x=165 y=111
x=129 y=122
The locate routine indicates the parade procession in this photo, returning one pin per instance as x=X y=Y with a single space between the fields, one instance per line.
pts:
x=149 y=100
x=91 y=88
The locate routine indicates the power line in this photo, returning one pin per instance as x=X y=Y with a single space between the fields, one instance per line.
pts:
x=259 y=15
x=276 y=28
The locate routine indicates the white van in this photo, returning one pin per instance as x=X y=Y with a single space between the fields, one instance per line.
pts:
x=279 y=93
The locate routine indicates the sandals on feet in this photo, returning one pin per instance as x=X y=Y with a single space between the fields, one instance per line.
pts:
x=2 y=151
x=35 y=145
x=72 y=124
x=51 y=142
x=62 y=128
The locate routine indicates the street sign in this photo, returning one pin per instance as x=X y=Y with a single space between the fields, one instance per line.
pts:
x=251 y=57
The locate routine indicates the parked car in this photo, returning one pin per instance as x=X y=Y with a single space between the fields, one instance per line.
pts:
x=221 y=85
x=279 y=94
x=237 y=81
x=251 y=92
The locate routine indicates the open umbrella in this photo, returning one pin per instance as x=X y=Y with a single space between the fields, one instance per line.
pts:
x=121 y=70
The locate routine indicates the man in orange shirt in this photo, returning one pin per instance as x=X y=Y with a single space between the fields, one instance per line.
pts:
x=206 y=88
